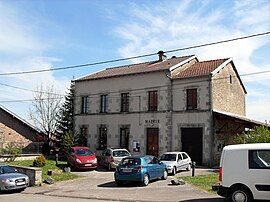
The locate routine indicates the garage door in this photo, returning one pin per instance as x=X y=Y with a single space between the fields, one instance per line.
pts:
x=192 y=143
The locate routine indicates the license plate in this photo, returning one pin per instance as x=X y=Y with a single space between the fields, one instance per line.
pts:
x=89 y=164
x=20 y=183
x=126 y=170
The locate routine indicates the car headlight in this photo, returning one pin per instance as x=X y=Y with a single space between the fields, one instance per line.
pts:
x=95 y=160
x=5 y=180
x=78 y=161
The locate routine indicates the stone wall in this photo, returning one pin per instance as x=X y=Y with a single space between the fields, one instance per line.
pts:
x=228 y=94
x=34 y=174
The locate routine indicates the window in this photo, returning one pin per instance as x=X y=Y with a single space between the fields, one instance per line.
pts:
x=259 y=159
x=179 y=157
x=230 y=79
x=84 y=105
x=124 y=138
x=153 y=100
x=191 y=98
x=104 y=103
x=184 y=156
x=102 y=141
x=124 y=102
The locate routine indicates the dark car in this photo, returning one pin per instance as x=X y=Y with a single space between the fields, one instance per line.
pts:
x=140 y=169
x=10 y=179
x=82 y=158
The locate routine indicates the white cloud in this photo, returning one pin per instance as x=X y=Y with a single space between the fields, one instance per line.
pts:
x=176 y=25
x=22 y=49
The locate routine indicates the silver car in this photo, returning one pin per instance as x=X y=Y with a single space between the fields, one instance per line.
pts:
x=111 y=157
x=176 y=161
x=10 y=179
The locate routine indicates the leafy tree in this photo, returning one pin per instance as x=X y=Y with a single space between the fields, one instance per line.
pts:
x=65 y=117
x=260 y=134
x=70 y=139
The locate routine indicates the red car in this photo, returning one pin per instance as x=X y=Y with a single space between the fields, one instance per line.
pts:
x=82 y=158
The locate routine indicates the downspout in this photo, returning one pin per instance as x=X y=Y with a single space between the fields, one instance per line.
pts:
x=170 y=110
x=211 y=121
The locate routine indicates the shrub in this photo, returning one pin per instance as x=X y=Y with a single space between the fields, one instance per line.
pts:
x=40 y=161
x=12 y=151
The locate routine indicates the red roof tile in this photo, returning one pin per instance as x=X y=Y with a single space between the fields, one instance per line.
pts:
x=198 y=69
x=136 y=68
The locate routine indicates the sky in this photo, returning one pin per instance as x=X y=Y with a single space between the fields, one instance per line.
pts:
x=38 y=34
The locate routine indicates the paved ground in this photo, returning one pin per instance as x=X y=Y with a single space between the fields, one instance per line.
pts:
x=99 y=185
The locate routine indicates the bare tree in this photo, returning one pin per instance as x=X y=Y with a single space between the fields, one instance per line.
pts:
x=44 y=109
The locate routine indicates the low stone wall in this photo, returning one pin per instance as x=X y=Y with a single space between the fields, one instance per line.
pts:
x=34 y=174
x=20 y=158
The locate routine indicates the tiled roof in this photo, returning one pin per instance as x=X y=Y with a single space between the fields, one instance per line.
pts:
x=136 y=68
x=198 y=69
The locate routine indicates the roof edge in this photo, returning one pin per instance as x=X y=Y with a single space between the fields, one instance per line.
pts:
x=183 y=62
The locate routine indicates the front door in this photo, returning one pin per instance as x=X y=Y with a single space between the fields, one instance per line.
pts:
x=124 y=138
x=192 y=143
x=152 y=141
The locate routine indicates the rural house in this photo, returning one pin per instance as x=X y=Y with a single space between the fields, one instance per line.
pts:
x=171 y=104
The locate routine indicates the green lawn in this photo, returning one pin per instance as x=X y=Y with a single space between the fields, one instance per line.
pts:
x=204 y=182
x=58 y=174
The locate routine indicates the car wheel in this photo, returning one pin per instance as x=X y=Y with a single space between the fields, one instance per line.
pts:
x=118 y=182
x=189 y=167
x=174 y=171
x=165 y=175
x=145 y=181
x=240 y=194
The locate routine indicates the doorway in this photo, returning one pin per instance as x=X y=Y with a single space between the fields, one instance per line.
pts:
x=152 y=141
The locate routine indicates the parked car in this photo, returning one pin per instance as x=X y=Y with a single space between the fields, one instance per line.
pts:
x=10 y=179
x=111 y=157
x=176 y=161
x=82 y=158
x=244 y=172
x=140 y=169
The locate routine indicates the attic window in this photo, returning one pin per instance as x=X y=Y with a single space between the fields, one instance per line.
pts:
x=230 y=79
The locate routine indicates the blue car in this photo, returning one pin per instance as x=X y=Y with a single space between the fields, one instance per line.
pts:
x=140 y=169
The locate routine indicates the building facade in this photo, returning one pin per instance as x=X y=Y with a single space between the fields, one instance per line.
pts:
x=159 y=106
x=16 y=131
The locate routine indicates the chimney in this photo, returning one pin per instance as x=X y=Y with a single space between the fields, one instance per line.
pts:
x=161 y=56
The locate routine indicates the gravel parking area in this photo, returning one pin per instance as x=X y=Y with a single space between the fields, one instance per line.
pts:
x=100 y=185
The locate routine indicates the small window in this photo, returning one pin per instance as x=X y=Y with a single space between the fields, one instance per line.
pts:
x=179 y=157
x=84 y=134
x=184 y=156
x=153 y=101
x=230 y=79
x=104 y=103
x=124 y=102
x=102 y=140
x=191 y=99
x=85 y=105
x=259 y=159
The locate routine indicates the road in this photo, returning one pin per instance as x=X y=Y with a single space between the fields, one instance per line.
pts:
x=99 y=186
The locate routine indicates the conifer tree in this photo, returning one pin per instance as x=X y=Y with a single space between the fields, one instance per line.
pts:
x=65 y=117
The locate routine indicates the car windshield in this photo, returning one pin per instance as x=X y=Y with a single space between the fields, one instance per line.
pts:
x=130 y=162
x=83 y=152
x=168 y=157
x=6 y=169
x=121 y=153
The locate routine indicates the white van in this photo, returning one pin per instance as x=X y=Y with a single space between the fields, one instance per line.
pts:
x=244 y=172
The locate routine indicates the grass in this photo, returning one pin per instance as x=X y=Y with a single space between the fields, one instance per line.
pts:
x=58 y=174
x=204 y=182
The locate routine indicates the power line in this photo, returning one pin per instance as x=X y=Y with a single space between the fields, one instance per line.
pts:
x=133 y=57
x=97 y=95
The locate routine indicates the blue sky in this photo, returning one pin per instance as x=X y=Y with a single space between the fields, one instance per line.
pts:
x=44 y=34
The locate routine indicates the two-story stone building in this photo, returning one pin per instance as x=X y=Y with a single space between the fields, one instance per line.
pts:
x=170 y=104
